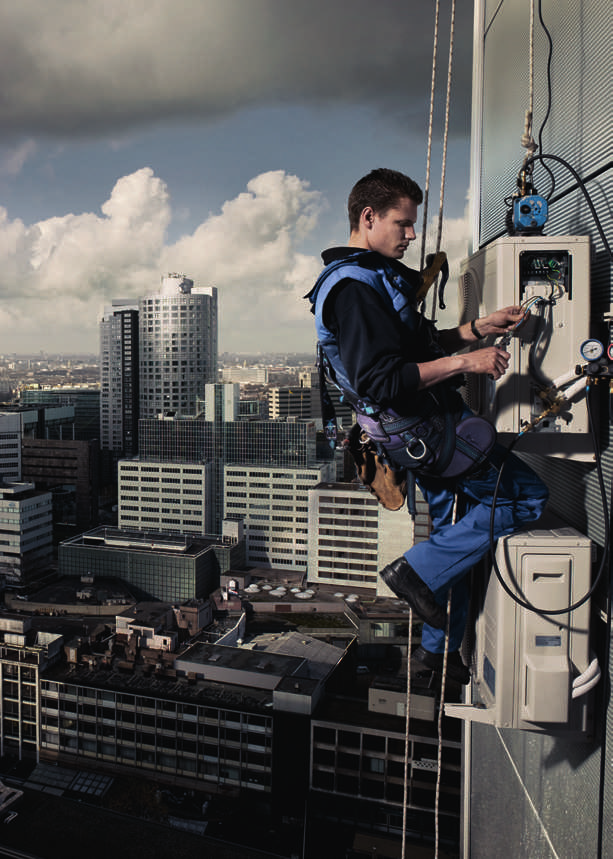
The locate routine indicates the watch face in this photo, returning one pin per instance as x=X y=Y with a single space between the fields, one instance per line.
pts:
x=591 y=350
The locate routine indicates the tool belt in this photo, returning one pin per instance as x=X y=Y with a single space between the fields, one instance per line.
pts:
x=389 y=451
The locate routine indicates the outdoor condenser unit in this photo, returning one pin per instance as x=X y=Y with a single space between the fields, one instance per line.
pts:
x=552 y=275
x=532 y=670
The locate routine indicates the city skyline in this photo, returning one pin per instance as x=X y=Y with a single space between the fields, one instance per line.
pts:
x=218 y=140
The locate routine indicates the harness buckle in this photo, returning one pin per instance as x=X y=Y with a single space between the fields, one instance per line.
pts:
x=422 y=453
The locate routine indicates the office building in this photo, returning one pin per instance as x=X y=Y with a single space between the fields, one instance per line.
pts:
x=218 y=436
x=10 y=445
x=352 y=536
x=86 y=403
x=245 y=375
x=165 y=496
x=26 y=533
x=283 y=443
x=170 y=438
x=119 y=378
x=358 y=766
x=24 y=655
x=171 y=568
x=70 y=471
x=178 y=346
x=304 y=400
x=273 y=502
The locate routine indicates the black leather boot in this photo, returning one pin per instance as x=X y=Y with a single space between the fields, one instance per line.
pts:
x=401 y=578
x=456 y=670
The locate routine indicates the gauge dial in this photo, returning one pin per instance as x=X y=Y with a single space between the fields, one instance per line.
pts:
x=591 y=350
x=610 y=352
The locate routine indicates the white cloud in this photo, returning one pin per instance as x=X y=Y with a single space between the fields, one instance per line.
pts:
x=56 y=275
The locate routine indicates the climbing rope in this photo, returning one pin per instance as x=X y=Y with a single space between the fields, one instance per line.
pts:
x=527 y=139
x=429 y=149
x=441 y=707
x=445 y=141
x=406 y=739
x=435 y=292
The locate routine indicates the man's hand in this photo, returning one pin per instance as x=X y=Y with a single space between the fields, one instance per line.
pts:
x=501 y=321
x=492 y=360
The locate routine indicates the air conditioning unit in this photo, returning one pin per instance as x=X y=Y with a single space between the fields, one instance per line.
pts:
x=532 y=670
x=552 y=275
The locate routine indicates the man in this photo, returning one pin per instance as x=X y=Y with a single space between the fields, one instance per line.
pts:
x=391 y=361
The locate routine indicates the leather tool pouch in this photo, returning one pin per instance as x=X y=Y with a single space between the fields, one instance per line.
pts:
x=386 y=484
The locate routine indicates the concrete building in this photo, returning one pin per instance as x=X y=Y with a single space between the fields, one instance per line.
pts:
x=24 y=654
x=70 y=471
x=351 y=536
x=171 y=568
x=119 y=378
x=245 y=375
x=165 y=496
x=26 y=527
x=304 y=400
x=85 y=401
x=358 y=766
x=178 y=346
x=224 y=439
x=10 y=445
x=273 y=502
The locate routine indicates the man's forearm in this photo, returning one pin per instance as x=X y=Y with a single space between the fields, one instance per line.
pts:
x=454 y=339
x=439 y=370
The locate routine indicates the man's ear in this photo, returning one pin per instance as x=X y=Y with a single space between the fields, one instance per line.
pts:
x=368 y=217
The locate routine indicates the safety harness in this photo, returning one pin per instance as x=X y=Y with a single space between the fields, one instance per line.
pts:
x=436 y=441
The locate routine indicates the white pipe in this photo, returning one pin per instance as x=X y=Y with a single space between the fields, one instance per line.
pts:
x=579 y=385
x=586 y=681
x=564 y=378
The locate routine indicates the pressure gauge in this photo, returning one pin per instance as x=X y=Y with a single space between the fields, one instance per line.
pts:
x=591 y=350
x=610 y=352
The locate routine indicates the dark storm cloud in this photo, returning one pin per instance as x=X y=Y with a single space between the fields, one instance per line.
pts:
x=99 y=66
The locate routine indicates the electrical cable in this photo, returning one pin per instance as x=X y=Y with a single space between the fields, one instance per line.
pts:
x=581 y=185
x=605 y=693
x=548 y=111
x=487 y=29
x=524 y=603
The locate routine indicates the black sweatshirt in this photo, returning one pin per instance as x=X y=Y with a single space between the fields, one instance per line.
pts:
x=378 y=352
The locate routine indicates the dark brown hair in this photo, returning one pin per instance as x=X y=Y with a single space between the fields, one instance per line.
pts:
x=381 y=189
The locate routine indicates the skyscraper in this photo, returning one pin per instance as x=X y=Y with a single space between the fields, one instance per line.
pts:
x=178 y=346
x=119 y=385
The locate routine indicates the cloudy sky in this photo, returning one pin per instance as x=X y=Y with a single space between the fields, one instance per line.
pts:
x=216 y=138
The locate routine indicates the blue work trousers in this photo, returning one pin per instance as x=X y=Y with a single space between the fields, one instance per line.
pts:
x=444 y=560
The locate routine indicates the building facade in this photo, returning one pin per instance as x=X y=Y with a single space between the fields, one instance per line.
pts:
x=178 y=346
x=85 y=401
x=24 y=655
x=26 y=532
x=70 y=471
x=10 y=445
x=352 y=536
x=165 y=496
x=171 y=568
x=119 y=378
x=273 y=502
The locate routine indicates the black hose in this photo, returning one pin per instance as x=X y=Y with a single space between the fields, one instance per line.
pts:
x=523 y=602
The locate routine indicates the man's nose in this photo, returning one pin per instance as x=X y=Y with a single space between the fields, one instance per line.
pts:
x=409 y=233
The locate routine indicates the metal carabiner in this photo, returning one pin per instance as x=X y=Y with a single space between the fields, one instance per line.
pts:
x=424 y=451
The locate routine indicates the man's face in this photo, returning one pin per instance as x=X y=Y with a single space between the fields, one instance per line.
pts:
x=390 y=232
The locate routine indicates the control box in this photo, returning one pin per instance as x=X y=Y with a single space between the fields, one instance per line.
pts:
x=551 y=276
x=526 y=664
